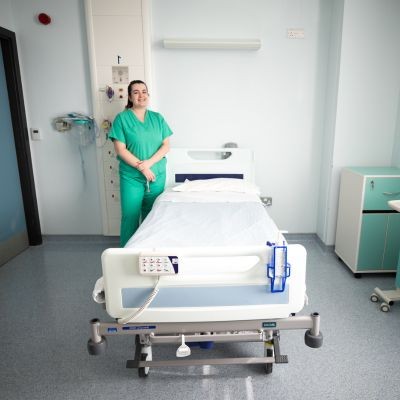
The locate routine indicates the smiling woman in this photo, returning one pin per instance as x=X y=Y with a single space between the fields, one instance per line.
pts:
x=141 y=141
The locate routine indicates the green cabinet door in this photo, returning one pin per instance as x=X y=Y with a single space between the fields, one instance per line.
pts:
x=390 y=258
x=372 y=241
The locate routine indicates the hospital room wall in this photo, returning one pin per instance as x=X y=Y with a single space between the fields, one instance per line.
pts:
x=367 y=110
x=396 y=147
x=329 y=113
x=55 y=78
x=6 y=15
x=268 y=100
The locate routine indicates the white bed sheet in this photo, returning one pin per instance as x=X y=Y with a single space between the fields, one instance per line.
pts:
x=190 y=219
x=205 y=219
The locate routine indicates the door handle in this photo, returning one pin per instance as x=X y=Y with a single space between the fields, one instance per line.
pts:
x=391 y=193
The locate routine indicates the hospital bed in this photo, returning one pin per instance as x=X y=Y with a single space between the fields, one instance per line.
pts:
x=207 y=265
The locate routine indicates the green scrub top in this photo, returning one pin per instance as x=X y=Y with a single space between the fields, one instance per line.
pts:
x=142 y=139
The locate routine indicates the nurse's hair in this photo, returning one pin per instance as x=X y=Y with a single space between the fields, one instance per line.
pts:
x=130 y=104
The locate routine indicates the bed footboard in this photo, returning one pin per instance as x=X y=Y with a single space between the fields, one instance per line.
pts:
x=201 y=284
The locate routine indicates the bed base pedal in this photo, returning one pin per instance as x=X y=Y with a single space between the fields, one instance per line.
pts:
x=281 y=359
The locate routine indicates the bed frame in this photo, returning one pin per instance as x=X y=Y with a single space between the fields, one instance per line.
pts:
x=230 y=301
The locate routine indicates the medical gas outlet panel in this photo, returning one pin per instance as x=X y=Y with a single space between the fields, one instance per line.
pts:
x=119 y=52
x=368 y=230
x=112 y=187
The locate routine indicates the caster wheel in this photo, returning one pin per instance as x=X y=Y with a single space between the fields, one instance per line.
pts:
x=268 y=352
x=144 y=371
x=269 y=366
x=374 y=298
x=385 y=307
x=313 y=341
x=357 y=275
x=96 y=349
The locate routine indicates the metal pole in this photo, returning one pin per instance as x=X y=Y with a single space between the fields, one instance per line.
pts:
x=94 y=325
x=316 y=322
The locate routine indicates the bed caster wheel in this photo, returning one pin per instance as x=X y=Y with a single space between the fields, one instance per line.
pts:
x=97 y=349
x=269 y=366
x=313 y=341
x=374 y=298
x=143 y=371
x=385 y=307
x=269 y=352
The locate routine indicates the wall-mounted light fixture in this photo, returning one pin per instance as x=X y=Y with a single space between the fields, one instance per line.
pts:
x=217 y=44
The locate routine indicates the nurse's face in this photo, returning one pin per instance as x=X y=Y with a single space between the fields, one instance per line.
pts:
x=139 y=96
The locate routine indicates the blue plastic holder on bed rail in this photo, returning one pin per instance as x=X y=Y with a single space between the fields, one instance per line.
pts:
x=278 y=273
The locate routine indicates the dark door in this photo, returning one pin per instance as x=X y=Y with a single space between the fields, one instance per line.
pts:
x=13 y=232
x=19 y=216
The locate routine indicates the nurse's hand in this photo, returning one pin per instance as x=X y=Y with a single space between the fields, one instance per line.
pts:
x=149 y=174
x=145 y=164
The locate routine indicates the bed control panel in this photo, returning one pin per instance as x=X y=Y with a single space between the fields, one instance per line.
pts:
x=158 y=265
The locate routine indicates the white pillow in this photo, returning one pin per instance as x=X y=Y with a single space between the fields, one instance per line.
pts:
x=218 y=185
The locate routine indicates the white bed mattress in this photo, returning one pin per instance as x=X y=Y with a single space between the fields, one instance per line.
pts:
x=205 y=219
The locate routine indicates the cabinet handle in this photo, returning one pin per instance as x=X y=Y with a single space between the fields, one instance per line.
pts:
x=391 y=193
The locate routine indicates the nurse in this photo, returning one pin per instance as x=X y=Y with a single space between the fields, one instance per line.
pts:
x=141 y=141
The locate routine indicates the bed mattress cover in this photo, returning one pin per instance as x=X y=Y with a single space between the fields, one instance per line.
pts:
x=205 y=219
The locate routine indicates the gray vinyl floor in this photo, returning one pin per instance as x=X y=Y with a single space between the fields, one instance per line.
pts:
x=46 y=305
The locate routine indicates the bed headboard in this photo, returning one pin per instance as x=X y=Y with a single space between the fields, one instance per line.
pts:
x=195 y=164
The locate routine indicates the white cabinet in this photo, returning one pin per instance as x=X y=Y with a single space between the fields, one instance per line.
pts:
x=368 y=231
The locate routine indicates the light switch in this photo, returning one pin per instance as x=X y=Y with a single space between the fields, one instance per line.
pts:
x=35 y=134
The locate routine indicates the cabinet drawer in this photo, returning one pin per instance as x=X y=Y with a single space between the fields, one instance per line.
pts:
x=378 y=191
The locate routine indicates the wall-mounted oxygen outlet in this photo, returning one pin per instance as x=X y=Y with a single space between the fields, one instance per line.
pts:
x=267 y=201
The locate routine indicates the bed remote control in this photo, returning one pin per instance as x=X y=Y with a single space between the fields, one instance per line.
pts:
x=158 y=265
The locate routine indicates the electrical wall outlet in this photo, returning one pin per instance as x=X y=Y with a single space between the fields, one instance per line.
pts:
x=295 y=33
x=267 y=201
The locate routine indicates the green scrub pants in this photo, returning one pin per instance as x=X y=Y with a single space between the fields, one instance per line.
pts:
x=136 y=202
